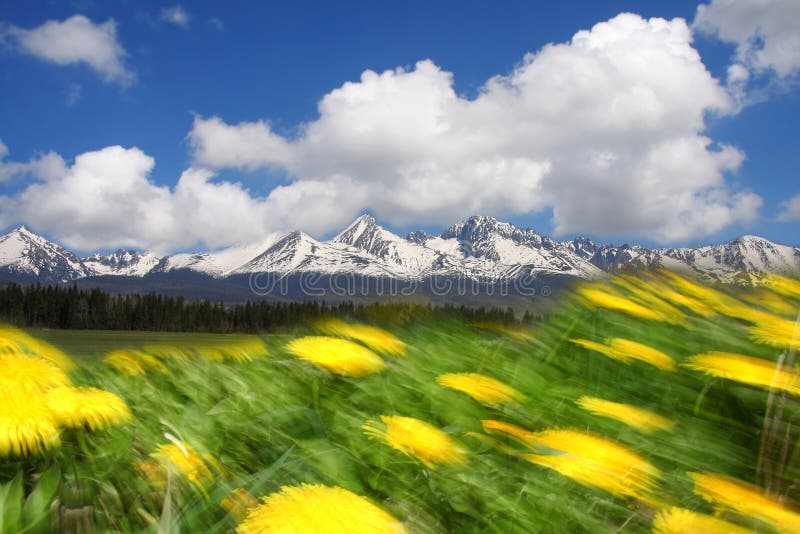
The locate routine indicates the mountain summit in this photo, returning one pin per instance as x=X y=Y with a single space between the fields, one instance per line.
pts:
x=477 y=248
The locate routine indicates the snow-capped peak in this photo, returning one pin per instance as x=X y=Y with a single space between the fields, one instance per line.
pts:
x=24 y=253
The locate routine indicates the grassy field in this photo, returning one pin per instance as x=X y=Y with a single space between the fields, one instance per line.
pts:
x=640 y=405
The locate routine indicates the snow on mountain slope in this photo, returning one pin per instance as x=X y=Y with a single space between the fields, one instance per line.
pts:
x=25 y=254
x=222 y=262
x=503 y=244
x=478 y=248
x=122 y=262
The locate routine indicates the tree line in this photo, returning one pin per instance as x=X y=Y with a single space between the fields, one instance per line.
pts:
x=67 y=307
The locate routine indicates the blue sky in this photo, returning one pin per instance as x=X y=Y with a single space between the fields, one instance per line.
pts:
x=275 y=61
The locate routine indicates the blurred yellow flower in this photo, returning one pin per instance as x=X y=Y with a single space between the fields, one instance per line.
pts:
x=375 y=338
x=746 y=369
x=657 y=285
x=14 y=340
x=770 y=301
x=26 y=425
x=77 y=407
x=181 y=458
x=417 y=439
x=587 y=459
x=596 y=461
x=244 y=350
x=515 y=332
x=641 y=352
x=743 y=498
x=318 y=509
x=164 y=352
x=681 y=521
x=336 y=355
x=788 y=287
x=134 y=362
x=639 y=418
x=238 y=503
x=625 y=350
x=643 y=295
x=605 y=297
x=29 y=373
x=482 y=388
x=777 y=332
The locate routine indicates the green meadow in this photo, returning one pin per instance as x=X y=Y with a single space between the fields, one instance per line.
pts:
x=251 y=423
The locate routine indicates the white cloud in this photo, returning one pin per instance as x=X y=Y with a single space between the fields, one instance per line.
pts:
x=790 y=210
x=41 y=166
x=76 y=40
x=217 y=23
x=766 y=38
x=607 y=130
x=107 y=199
x=176 y=15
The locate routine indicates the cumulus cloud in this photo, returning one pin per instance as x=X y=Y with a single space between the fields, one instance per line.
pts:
x=790 y=210
x=42 y=166
x=176 y=15
x=75 y=40
x=106 y=198
x=766 y=38
x=606 y=130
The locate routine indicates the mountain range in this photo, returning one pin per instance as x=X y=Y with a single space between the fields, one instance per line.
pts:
x=478 y=249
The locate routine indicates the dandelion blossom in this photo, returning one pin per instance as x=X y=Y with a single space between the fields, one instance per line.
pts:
x=417 y=439
x=788 y=287
x=587 y=459
x=14 y=340
x=31 y=374
x=480 y=387
x=375 y=338
x=625 y=350
x=183 y=459
x=79 y=407
x=743 y=498
x=596 y=461
x=315 y=508
x=641 y=352
x=777 y=332
x=26 y=425
x=680 y=521
x=644 y=420
x=746 y=369
x=612 y=300
x=337 y=355
x=134 y=362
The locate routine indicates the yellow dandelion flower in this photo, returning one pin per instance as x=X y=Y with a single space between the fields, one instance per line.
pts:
x=509 y=430
x=238 y=503
x=587 y=459
x=14 y=340
x=743 y=498
x=181 y=458
x=26 y=425
x=375 y=338
x=596 y=461
x=612 y=300
x=244 y=351
x=625 y=350
x=770 y=301
x=482 y=388
x=337 y=355
x=165 y=352
x=641 y=352
x=777 y=332
x=681 y=521
x=31 y=374
x=417 y=439
x=644 y=295
x=134 y=362
x=746 y=369
x=602 y=349
x=644 y=420
x=84 y=406
x=210 y=353
x=788 y=287
x=318 y=509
